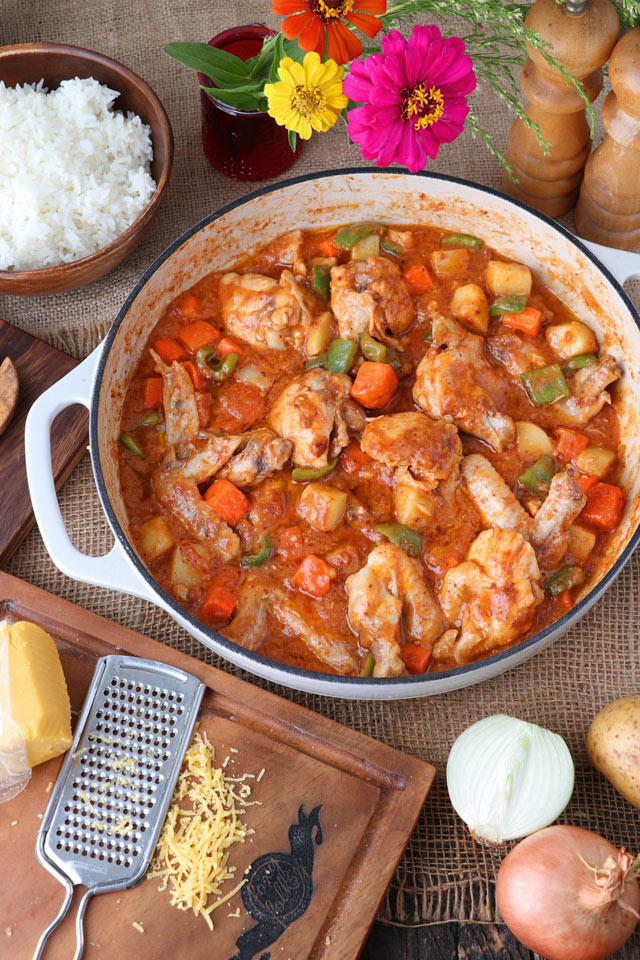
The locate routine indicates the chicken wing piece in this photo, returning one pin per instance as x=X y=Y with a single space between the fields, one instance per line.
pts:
x=263 y=455
x=310 y=413
x=491 y=597
x=370 y=296
x=388 y=590
x=455 y=382
x=514 y=352
x=430 y=448
x=493 y=497
x=208 y=459
x=263 y=311
x=181 y=498
x=588 y=394
x=551 y=524
x=179 y=401
x=249 y=625
x=329 y=648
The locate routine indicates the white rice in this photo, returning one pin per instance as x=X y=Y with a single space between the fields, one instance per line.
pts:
x=74 y=174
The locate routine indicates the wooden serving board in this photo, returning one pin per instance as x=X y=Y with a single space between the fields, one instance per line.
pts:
x=39 y=366
x=368 y=795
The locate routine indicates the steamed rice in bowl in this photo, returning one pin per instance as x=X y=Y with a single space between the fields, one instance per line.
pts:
x=74 y=173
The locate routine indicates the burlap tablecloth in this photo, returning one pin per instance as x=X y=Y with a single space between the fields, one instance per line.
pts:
x=443 y=874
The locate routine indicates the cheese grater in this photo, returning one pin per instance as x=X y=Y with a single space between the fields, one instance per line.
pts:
x=113 y=790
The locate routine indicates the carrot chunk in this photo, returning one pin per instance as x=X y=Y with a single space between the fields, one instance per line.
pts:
x=227 y=501
x=374 y=385
x=570 y=443
x=226 y=346
x=169 y=350
x=418 y=278
x=353 y=458
x=152 y=388
x=190 y=307
x=197 y=379
x=604 y=506
x=313 y=576
x=416 y=659
x=565 y=600
x=197 y=334
x=327 y=249
x=529 y=321
x=586 y=482
x=218 y=604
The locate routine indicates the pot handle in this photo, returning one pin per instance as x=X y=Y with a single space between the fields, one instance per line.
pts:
x=113 y=570
x=623 y=264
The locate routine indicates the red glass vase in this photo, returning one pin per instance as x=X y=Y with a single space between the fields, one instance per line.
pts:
x=245 y=144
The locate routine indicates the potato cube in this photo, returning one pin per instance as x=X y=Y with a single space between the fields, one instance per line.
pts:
x=450 y=264
x=596 y=461
x=190 y=565
x=155 y=538
x=508 y=279
x=319 y=334
x=367 y=247
x=571 y=339
x=469 y=305
x=581 y=543
x=532 y=440
x=322 y=506
x=412 y=506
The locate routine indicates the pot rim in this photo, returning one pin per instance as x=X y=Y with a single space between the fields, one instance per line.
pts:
x=296 y=673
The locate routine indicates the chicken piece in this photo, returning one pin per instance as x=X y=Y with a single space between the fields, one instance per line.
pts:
x=310 y=413
x=588 y=394
x=263 y=455
x=265 y=312
x=181 y=498
x=492 y=596
x=179 y=401
x=327 y=647
x=431 y=449
x=493 y=497
x=207 y=460
x=388 y=590
x=550 y=535
x=518 y=354
x=370 y=296
x=249 y=625
x=455 y=382
x=287 y=248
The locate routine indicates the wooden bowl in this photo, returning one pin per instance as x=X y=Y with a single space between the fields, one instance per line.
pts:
x=54 y=62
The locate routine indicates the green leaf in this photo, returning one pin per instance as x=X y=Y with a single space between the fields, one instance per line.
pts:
x=260 y=64
x=293 y=138
x=278 y=54
x=202 y=57
x=239 y=99
x=292 y=49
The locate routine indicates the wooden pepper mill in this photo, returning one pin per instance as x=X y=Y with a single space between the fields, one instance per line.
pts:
x=581 y=35
x=608 y=210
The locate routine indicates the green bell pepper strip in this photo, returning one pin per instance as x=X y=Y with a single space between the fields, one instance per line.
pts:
x=341 y=355
x=564 y=579
x=503 y=305
x=202 y=359
x=321 y=280
x=127 y=441
x=318 y=361
x=461 y=240
x=150 y=420
x=372 y=349
x=545 y=385
x=226 y=367
x=265 y=549
x=578 y=363
x=393 y=359
x=428 y=334
x=539 y=475
x=346 y=237
x=404 y=537
x=369 y=664
x=390 y=248
x=303 y=474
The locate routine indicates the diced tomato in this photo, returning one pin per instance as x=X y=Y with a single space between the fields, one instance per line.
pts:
x=604 y=506
x=227 y=501
x=226 y=346
x=169 y=350
x=586 y=482
x=327 y=249
x=204 y=402
x=152 y=389
x=290 y=543
x=418 y=278
x=197 y=379
x=190 y=307
x=374 y=385
x=570 y=443
x=198 y=334
x=314 y=576
x=218 y=604
x=529 y=321
x=353 y=458
x=416 y=659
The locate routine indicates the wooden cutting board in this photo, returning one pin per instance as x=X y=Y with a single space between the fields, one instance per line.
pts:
x=39 y=366
x=368 y=796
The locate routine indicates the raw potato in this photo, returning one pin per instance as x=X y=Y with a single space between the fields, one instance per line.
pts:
x=155 y=538
x=469 y=305
x=596 y=461
x=319 y=334
x=322 y=506
x=8 y=392
x=450 y=264
x=508 y=279
x=571 y=339
x=532 y=440
x=613 y=746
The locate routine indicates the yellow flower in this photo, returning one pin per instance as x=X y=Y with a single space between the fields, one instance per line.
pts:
x=308 y=95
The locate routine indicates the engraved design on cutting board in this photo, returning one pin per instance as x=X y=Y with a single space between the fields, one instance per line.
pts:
x=279 y=887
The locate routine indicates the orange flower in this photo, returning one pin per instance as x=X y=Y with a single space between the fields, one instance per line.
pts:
x=310 y=20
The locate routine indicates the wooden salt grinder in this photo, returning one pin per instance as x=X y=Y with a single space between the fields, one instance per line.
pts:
x=581 y=35
x=608 y=210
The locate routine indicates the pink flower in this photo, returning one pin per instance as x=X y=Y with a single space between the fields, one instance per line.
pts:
x=413 y=97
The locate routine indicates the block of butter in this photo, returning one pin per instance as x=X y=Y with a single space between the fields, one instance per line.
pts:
x=33 y=691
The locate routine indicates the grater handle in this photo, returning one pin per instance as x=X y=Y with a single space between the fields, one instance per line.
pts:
x=82 y=906
x=61 y=914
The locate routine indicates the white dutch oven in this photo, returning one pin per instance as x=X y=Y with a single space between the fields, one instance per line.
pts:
x=586 y=277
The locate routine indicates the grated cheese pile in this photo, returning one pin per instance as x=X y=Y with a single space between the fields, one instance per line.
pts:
x=74 y=173
x=192 y=854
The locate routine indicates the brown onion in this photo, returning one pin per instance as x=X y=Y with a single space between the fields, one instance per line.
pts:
x=569 y=894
